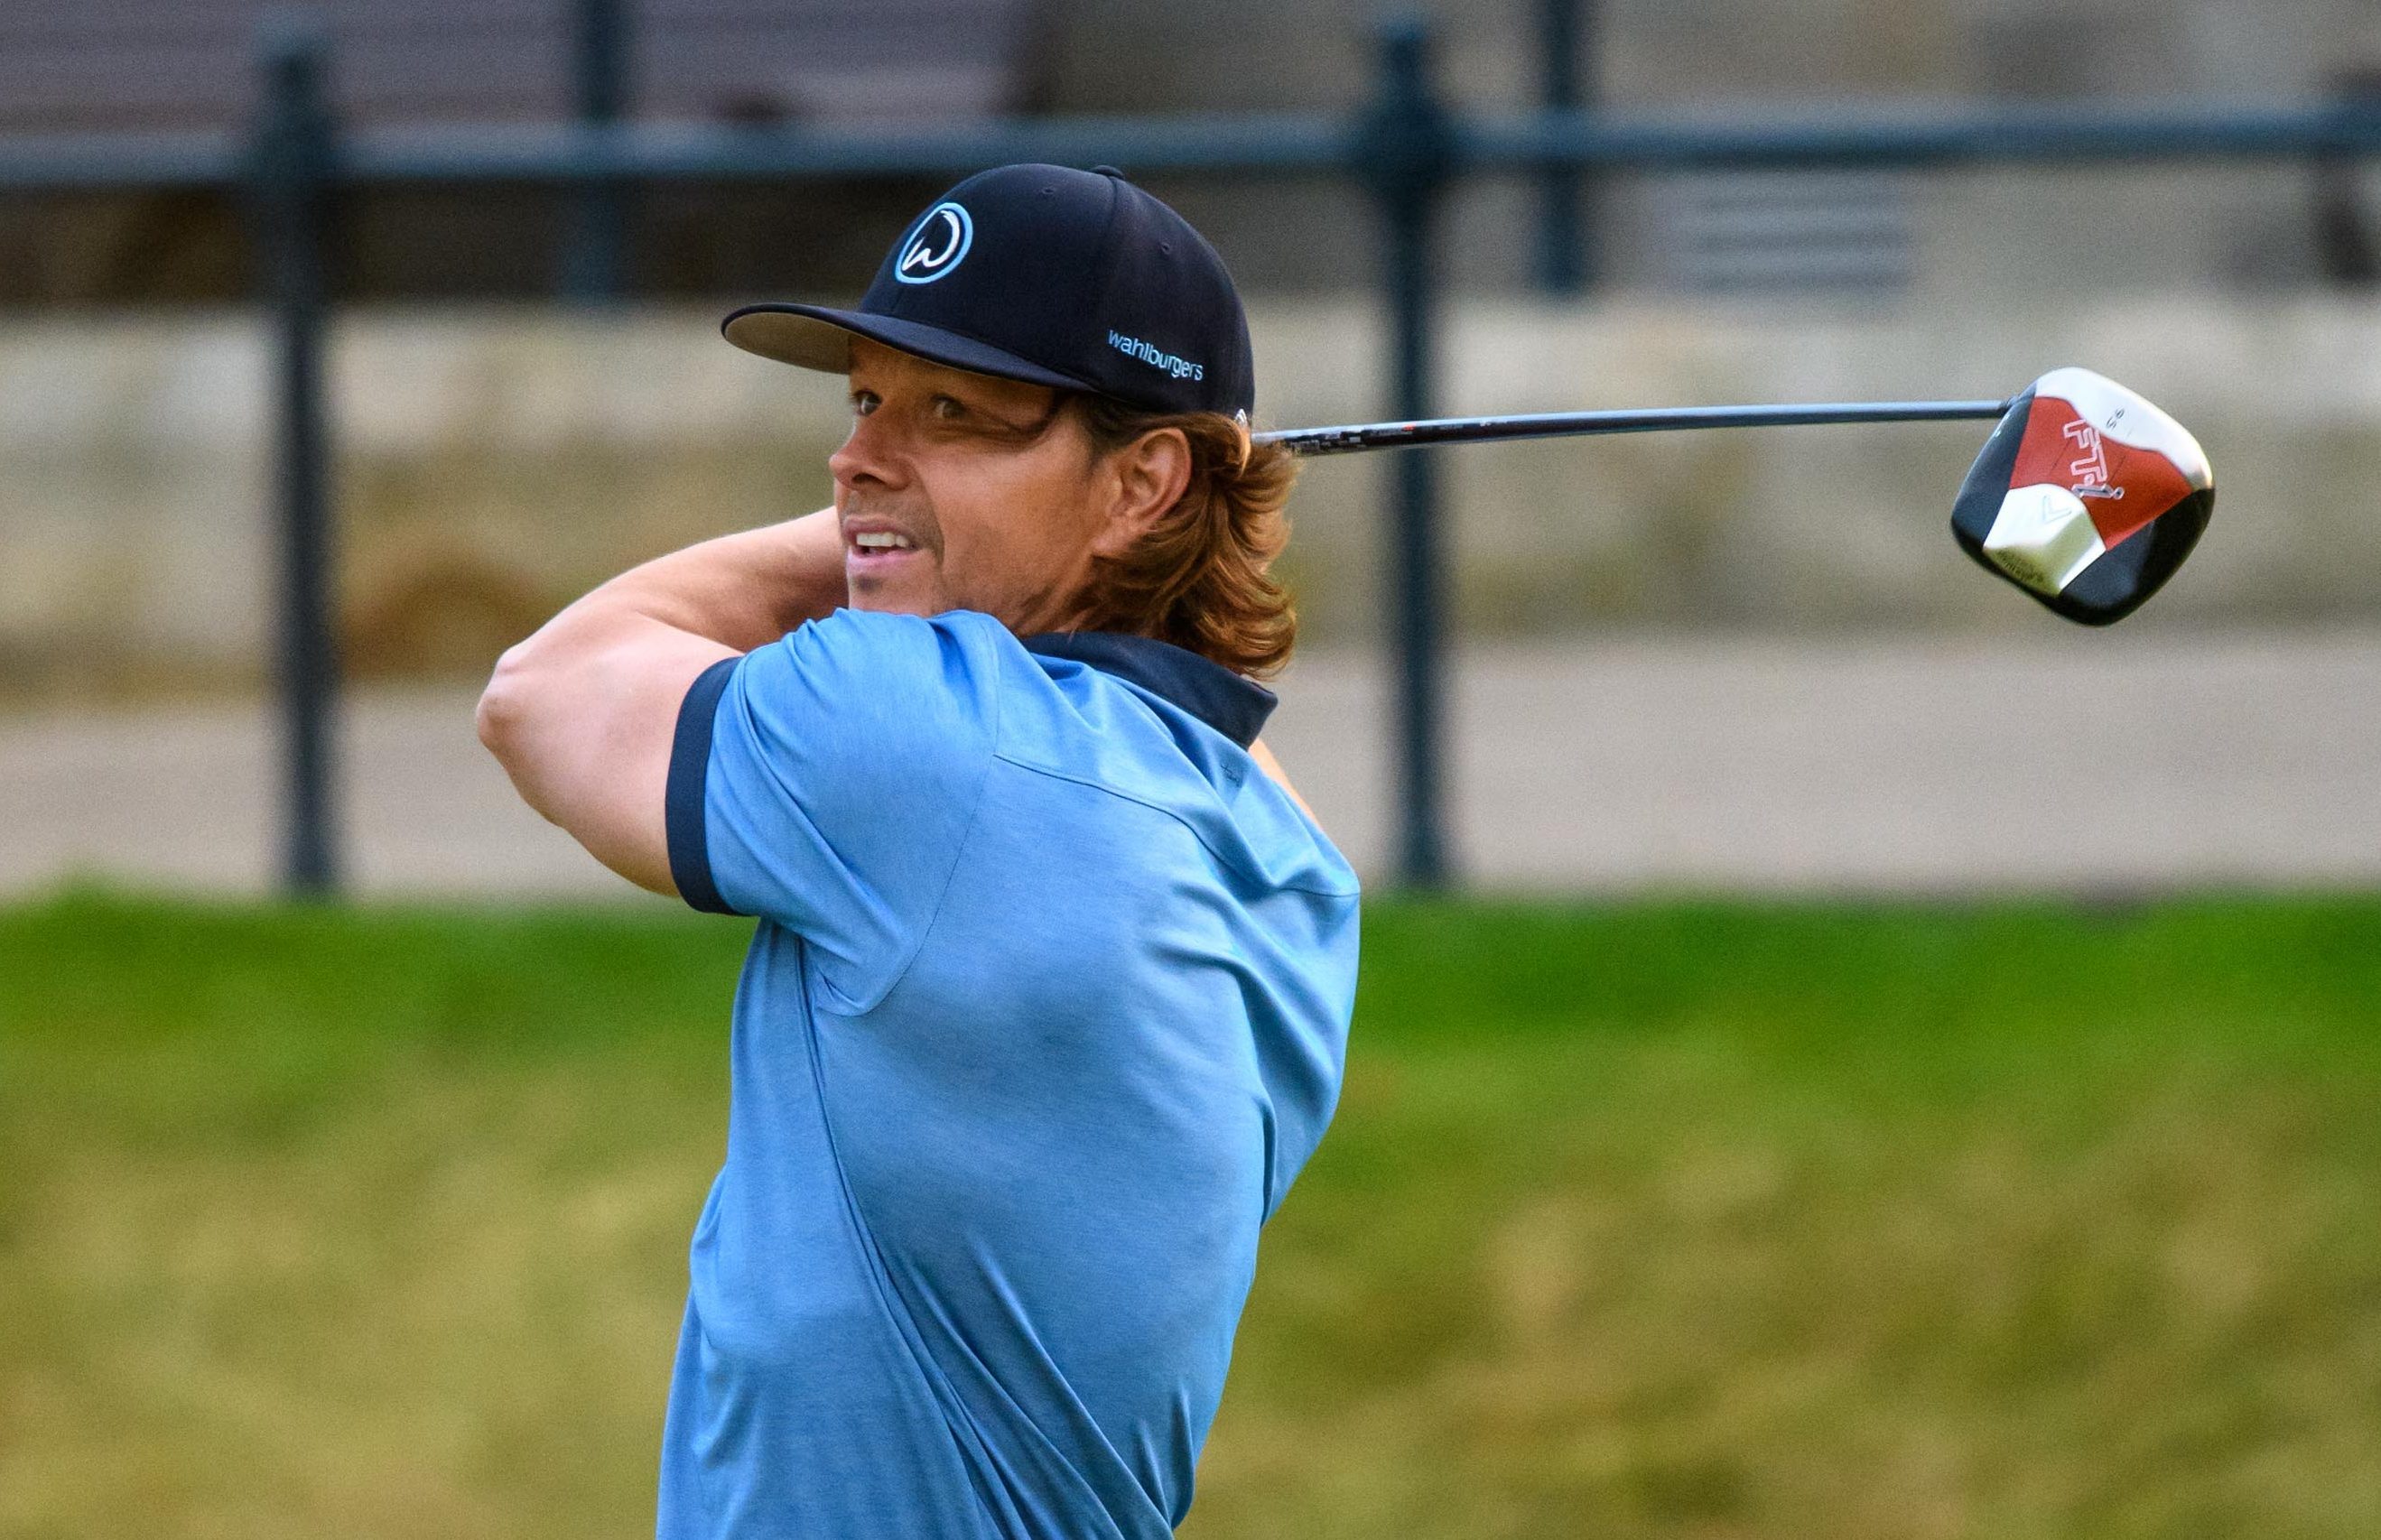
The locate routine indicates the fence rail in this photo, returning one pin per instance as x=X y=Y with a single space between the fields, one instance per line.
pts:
x=1404 y=148
x=1243 y=145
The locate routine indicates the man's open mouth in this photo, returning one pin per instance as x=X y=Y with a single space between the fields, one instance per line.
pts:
x=877 y=544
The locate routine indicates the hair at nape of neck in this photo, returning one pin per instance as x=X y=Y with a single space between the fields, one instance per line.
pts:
x=1201 y=578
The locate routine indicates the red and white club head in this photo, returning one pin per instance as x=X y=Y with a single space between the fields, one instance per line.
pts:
x=2086 y=496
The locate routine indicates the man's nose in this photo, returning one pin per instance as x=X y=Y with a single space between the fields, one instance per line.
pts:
x=870 y=454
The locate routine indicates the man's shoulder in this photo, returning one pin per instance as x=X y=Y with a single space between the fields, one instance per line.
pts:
x=875 y=695
x=876 y=661
x=1108 y=736
x=966 y=636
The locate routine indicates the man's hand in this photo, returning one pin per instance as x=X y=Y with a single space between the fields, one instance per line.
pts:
x=581 y=715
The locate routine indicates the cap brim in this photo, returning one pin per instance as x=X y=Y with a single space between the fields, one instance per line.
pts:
x=812 y=336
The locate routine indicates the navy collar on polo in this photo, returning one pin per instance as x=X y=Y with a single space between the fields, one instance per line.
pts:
x=1232 y=705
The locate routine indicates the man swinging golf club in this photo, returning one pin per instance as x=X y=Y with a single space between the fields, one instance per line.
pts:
x=1050 y=990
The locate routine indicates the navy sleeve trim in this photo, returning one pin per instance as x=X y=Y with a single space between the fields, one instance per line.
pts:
x=689 y=848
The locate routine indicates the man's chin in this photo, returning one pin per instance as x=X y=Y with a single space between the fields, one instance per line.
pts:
x=894 y=599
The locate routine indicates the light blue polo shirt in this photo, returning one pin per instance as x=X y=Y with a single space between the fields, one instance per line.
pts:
x=1047 y=1006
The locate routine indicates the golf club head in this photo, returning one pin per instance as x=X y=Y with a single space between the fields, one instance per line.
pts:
x=2086 y=496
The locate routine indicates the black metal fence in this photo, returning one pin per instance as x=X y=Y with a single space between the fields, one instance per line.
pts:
x=1405 y=147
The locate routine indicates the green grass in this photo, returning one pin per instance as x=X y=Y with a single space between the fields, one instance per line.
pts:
x=1687 y=1220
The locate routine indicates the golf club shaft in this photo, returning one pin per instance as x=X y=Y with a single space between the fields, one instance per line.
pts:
x=1305 y=442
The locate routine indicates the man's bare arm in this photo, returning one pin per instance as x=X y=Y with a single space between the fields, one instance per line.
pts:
x=581 y=715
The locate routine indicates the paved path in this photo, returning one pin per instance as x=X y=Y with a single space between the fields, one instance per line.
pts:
x=2079 y=762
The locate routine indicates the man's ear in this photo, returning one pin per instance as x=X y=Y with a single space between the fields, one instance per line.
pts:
x=1148 y=478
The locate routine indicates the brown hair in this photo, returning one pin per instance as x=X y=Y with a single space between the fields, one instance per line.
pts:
x=1200 y=579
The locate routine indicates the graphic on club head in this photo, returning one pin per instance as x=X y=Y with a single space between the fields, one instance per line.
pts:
x=2086 y=496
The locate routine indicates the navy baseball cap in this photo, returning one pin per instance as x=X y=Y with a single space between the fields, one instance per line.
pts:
x=1073 y=279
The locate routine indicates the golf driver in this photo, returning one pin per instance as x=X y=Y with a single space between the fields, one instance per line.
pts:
x=2086 y=495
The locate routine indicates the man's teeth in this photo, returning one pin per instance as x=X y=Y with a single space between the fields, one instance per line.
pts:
x=883 y=539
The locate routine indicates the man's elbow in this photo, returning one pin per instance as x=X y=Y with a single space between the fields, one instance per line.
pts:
x=502 y=714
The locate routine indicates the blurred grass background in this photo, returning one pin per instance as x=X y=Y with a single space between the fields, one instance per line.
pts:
x=1666 y=1219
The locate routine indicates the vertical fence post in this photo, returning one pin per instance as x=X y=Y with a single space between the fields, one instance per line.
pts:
x=1407 y=152
x=598 y=228
x=1567 y=255
x=2347 y=226
x=291 y=172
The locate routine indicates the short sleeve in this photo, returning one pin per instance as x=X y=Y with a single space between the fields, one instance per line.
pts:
x=827 y=781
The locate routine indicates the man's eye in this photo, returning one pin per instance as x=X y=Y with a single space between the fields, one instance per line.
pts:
x=948 y=410
x=863 y=403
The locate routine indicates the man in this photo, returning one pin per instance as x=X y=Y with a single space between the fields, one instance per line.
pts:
x=1049 y=994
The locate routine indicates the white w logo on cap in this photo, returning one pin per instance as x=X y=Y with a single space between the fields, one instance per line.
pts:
x=942 y=239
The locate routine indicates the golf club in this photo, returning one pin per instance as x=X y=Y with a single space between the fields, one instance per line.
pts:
x=2085 y=495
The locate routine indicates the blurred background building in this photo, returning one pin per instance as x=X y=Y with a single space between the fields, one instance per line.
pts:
x=148 y=65
x=529 y=393
x=2041 y=1211
x=1805 y=1220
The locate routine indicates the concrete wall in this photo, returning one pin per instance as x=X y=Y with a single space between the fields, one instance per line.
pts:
x=493 y=464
